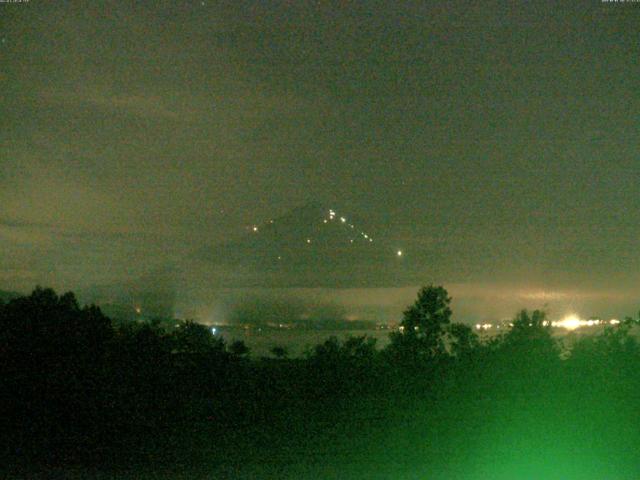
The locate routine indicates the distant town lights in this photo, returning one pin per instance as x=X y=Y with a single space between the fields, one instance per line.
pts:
x=483 y=326
x=571 y=322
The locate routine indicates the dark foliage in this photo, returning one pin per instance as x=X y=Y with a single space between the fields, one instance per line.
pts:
x=78 y=389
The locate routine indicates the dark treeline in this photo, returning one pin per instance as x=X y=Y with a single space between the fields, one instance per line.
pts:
x=81 y=390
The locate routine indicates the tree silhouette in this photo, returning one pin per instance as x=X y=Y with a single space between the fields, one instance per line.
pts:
x=238 y=348
x=462 y=339
x=44 y=329
x=280 y=352
x=328 y=351
x=529 y=328
x=423 y=327
x=53 y=361
x=192 y=337
x=359 y=347
x=529 y=342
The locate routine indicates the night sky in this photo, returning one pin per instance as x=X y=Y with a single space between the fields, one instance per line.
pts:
x=494 y=143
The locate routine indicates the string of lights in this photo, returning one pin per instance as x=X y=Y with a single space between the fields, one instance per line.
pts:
x=331 y=217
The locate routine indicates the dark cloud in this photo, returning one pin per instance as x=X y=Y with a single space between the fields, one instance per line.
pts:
x=492 y=143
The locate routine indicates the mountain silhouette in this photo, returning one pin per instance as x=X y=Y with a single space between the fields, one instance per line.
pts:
x=310 y=245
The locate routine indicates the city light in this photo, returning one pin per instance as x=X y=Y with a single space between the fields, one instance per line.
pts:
x=484 y=326
x=570 y=322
